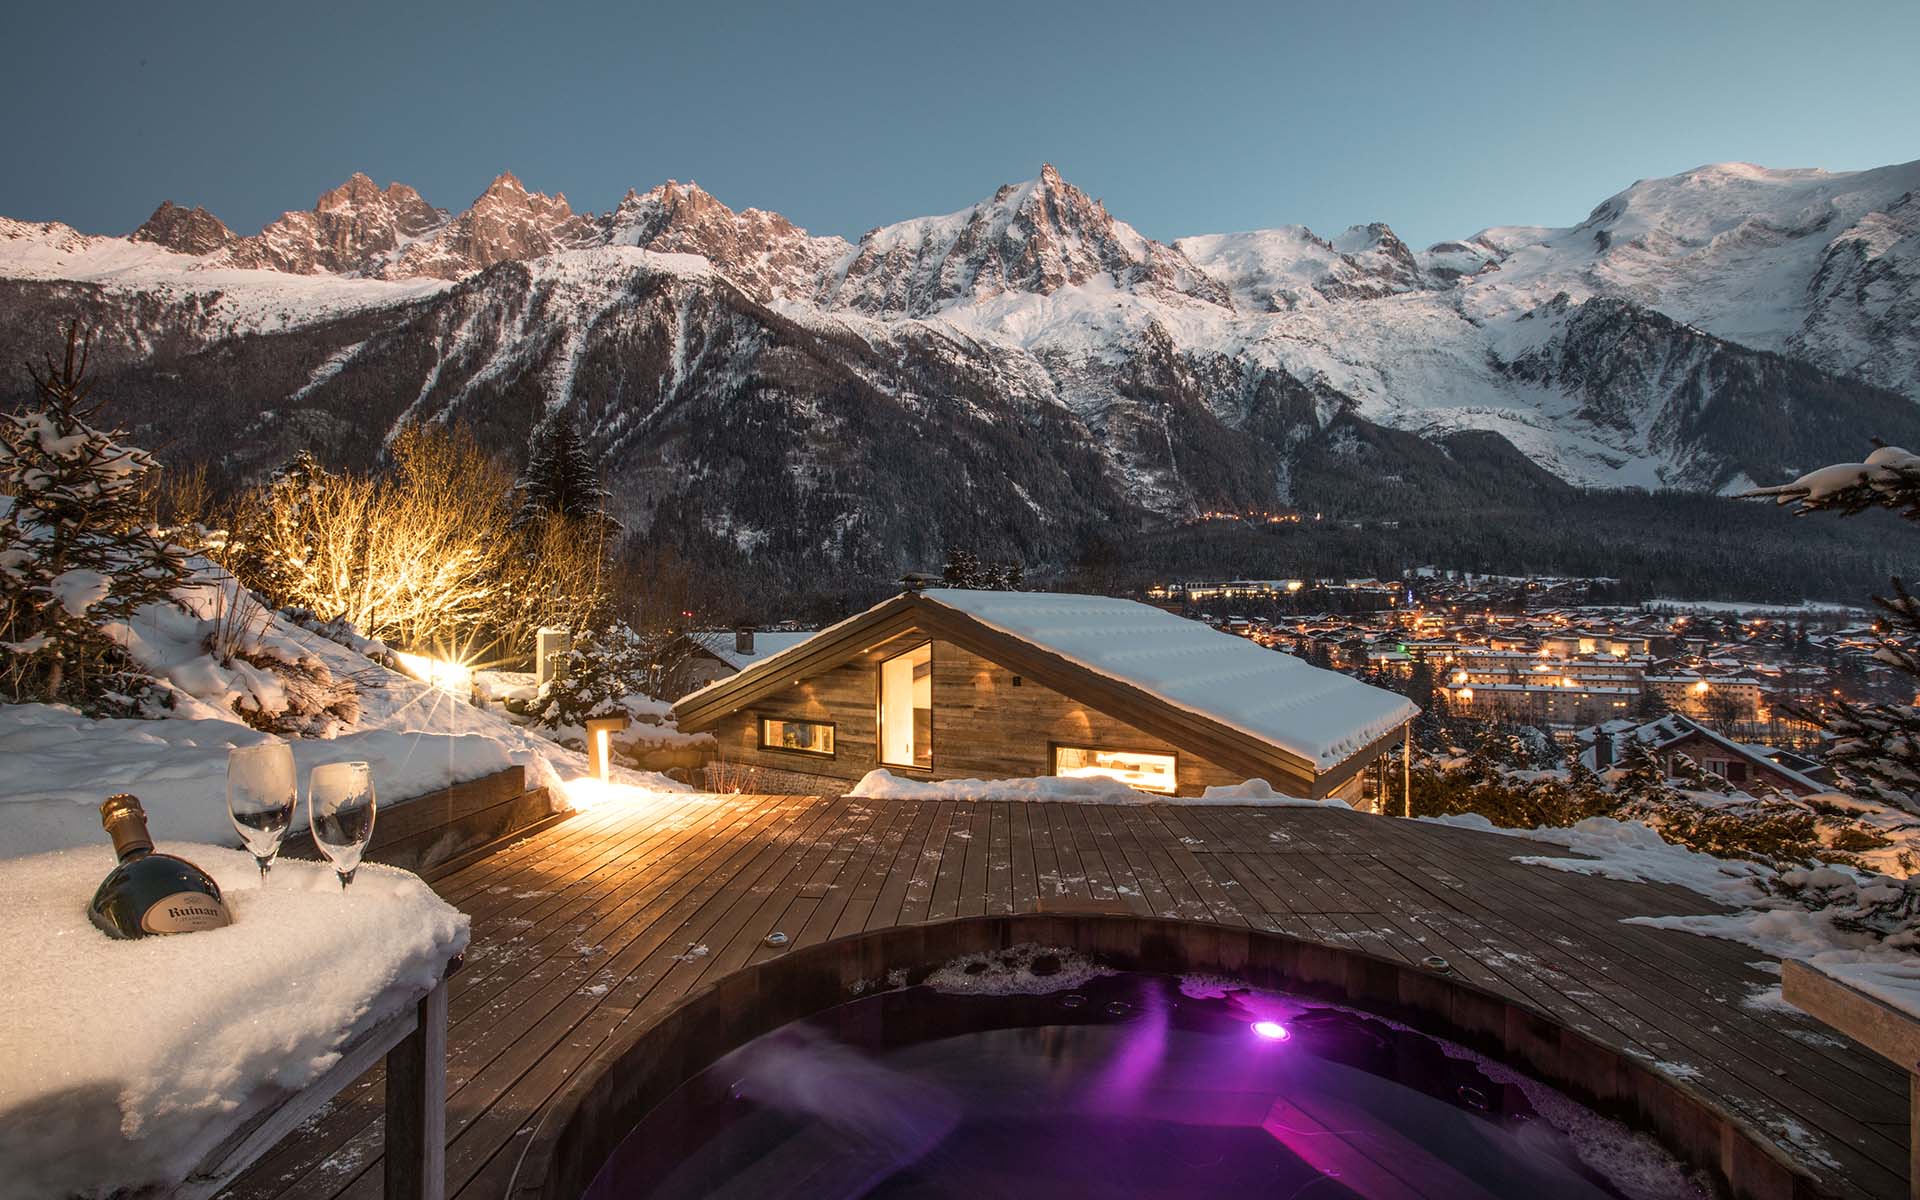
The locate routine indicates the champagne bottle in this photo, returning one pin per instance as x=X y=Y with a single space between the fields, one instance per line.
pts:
x=150 y=892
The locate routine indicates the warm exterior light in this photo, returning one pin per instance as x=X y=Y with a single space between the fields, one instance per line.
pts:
x=1700 y=687
x=600 y=731
x=1273 y=1031
x=1466 y=695
x=1294 y=585
x=454 y=678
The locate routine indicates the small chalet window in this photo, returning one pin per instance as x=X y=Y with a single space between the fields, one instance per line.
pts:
x=802 y=737
x=906 y=708
x=1148 y=771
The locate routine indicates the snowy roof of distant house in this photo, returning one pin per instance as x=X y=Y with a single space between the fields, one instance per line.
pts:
x=1665 y=731
x=766 y=644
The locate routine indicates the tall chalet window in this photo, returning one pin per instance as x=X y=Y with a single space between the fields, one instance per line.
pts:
x=801 y=737
x=906 y=708
x=1143 y=769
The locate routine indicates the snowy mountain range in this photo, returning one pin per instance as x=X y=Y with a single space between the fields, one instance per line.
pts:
x=1022 y=370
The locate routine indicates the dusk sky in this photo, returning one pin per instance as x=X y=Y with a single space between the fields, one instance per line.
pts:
x=1439 y=119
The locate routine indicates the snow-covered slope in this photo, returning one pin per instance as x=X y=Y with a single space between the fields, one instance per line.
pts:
x=1824 y=265
x=1636 y=348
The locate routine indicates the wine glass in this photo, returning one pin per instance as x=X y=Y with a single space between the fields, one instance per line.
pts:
x=340 y=809
x=262 y=786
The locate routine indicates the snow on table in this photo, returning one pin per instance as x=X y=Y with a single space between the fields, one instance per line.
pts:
x=124 y=1063
x=61 y=765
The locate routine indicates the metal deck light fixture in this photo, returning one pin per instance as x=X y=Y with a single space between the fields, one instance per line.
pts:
x=600 y=731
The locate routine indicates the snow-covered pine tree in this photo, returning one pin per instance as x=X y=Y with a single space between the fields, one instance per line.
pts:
x=604 y=668
x=562 y=479
x=962 y=569
x=78 y=543
x=1876 y=747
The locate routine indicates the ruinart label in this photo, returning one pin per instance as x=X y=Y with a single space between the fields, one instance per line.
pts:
x=185 y=912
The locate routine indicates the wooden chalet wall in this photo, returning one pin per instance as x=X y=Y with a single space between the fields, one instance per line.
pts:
x=983 y=725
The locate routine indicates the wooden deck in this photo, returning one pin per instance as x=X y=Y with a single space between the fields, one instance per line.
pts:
x=582 y=932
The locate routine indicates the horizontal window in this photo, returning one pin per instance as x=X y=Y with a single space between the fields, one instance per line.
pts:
x=801 y=737
x=1142 y=769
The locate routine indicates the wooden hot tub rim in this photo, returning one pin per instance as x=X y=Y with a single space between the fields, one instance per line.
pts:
x=637 y=1069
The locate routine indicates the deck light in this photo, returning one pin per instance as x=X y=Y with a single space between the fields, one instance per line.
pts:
x=1273 y=1031
x=600 y=731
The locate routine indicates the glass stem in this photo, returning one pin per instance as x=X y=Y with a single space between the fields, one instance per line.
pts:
x=346 y=877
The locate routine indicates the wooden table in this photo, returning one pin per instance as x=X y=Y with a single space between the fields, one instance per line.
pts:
x=414 y=1044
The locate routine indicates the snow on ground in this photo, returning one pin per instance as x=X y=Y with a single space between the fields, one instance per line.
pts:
x=1629 y=850
x=61 y=765
x=885 y=785
x=418 y=738
x=1633 y=851
x=123 y=1063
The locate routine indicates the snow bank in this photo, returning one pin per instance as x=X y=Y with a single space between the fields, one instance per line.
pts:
x=885 y=785
x=419 y=739
x=1630 y=850
x=1774 y=925
x=61 y=765
x=123 y=1063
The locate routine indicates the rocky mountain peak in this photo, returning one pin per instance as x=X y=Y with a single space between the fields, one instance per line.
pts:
x=1378 y=251
x=185 y=230
x=354 y=229
x=505 y=223
x=1038 y=237
x=763 y=252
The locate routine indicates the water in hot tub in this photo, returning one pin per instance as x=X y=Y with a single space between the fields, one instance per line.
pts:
x=1125 y=1086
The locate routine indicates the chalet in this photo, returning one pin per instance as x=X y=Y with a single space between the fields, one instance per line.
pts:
x=1745 y=767
x=956 y=684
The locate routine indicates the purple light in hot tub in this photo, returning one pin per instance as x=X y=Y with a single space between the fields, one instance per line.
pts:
x=1273 y=1031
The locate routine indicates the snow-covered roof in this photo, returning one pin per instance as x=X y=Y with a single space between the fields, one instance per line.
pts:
x=1674 y=727
x=765 y=646
x=1317 y=714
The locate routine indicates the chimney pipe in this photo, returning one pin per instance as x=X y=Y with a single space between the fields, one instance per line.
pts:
x=743 y=639
x=1602 y=750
